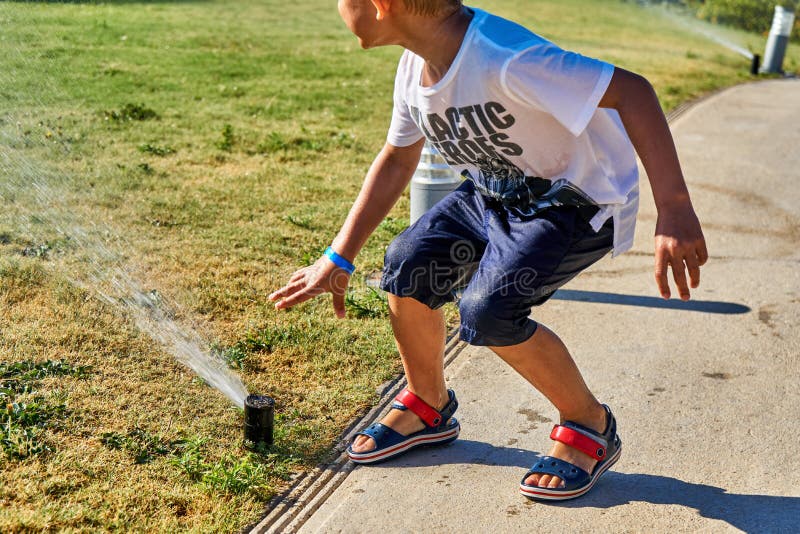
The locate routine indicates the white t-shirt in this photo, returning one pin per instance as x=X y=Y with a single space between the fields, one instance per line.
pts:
x=515 y=112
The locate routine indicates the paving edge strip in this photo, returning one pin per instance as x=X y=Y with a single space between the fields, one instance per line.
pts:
x=290 y=510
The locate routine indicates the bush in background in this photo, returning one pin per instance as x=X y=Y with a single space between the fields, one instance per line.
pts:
x=751 y=15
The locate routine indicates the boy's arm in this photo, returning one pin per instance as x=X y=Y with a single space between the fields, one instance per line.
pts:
x=679 y=241
x=385 y=181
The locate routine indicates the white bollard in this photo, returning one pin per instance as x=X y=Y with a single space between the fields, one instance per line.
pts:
x=432 y=181
x=782 y=24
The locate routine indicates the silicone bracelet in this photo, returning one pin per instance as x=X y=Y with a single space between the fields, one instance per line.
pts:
x=339 y=261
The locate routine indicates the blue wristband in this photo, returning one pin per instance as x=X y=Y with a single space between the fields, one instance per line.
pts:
x=339 y=261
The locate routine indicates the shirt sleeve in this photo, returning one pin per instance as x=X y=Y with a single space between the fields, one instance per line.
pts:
x=564 y=84
x=403 y=131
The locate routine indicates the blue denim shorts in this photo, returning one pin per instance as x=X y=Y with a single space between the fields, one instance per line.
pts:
x=501 y=263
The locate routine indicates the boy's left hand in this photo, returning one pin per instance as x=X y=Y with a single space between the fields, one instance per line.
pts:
x=681 y=246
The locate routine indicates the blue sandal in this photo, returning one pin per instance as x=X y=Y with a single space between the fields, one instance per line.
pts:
x=441 y=427
x=606 y=448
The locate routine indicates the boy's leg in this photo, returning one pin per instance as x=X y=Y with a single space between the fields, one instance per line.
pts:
x=544 y=361
x=421 y=267
x=525 y=261
x=420 y=336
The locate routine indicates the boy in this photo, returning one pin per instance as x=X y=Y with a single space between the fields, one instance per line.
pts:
x=546 y=141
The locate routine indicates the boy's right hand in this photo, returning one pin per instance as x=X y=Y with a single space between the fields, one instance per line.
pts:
x=679 y=245
x=306 y=283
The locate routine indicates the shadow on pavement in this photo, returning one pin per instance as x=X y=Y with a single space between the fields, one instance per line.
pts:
x=706 y=306
x=464 y=451
x=750 y=513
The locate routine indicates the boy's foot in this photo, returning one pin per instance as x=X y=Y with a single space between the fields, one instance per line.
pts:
x=404 y=422
x=596 y=421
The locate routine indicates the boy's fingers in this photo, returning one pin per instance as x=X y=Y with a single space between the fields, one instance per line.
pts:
x=275 y=294
x=702 y=253
x=279 y=293
x=297 y=276
x=286 y=290
x=338 y=305
x=694 y=271
x=679 y=274
x=661 y=275
x=300 y=296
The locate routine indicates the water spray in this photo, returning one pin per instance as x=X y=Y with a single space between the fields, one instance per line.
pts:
x=710 y=32
x=34 y=197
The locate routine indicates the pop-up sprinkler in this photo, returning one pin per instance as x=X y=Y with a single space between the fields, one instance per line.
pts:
x=259 y=415
x=755 y=64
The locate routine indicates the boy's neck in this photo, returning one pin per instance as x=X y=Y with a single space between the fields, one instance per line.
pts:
x=438 y=41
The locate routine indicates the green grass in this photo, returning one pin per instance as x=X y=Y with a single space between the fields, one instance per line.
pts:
x=222 y=144
x=24 y=412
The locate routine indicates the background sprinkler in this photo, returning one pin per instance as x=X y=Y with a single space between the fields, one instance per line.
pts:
x=259 y=416
x=755 y=64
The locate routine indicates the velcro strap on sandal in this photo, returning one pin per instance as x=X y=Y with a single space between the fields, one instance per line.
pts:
x=421 y=408
x=579 y=440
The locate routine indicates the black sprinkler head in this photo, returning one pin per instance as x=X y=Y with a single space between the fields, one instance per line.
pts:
x=259 y=416
x=755 y=65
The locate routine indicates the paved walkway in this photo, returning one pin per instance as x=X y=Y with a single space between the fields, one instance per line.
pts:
x=706 y=392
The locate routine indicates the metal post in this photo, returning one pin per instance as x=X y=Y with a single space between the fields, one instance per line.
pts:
x=778 y=40
x=432 y=181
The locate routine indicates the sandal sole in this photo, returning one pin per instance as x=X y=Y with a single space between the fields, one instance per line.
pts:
x=546 y=494
x=372 y=457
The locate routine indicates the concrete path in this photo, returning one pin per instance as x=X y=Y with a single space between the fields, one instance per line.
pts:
x=707 y=393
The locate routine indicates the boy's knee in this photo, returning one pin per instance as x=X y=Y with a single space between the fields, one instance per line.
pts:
x=398 y=252
x=490 y=319
x=406 y=272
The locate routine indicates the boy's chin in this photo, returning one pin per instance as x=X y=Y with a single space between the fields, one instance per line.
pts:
x=370 y=42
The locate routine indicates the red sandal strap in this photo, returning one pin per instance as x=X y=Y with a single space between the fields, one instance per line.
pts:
x=580 y=441
x=422 y=409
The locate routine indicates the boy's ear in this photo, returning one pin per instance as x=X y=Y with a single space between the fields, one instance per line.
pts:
x=382 y=8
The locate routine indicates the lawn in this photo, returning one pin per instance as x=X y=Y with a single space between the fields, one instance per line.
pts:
x=208 y=149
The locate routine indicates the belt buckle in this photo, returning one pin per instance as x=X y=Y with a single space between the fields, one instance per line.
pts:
x=519 y=198
x=488 y=193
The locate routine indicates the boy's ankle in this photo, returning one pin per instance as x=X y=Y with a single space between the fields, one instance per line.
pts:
x=435 y=398
x=593 y=417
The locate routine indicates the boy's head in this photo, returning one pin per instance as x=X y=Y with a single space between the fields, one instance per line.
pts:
x=364 y=17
